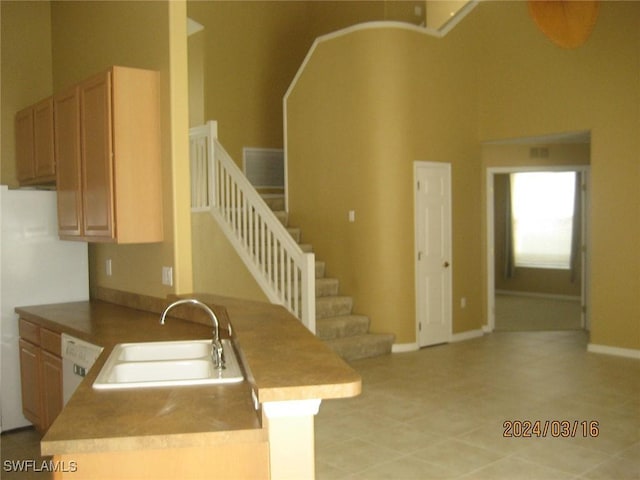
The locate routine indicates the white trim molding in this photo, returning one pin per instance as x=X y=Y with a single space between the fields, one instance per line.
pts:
x=404 y=347
x=618 y=351
x=291 y=408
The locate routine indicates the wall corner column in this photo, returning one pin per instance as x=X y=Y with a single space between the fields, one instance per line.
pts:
x=291 y=438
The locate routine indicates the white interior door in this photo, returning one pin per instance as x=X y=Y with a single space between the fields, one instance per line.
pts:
x=433 y=252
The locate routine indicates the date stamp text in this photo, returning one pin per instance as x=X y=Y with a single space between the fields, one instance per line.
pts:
x=550 y=428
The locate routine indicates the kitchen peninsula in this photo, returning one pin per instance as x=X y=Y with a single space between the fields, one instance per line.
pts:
x=260 y=428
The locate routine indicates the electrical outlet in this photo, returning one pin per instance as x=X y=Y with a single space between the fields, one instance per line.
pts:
x=167 y=276
x=463 y=302
x=352 y=216
x=107 y=267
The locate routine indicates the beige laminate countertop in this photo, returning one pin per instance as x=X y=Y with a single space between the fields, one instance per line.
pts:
x=281 y=358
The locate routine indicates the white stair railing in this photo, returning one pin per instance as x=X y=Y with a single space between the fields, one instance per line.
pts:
x=284 y=272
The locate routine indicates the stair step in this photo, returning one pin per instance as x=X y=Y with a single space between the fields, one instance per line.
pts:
x=333 y=306
x=342 y=326
x=320 y=268
x=306 y=247
x=282 y=216
x=275 y=202
x=326 y=287
x=362 y=346
x=295 y=232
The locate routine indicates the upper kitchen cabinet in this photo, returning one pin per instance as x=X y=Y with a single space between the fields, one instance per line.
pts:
x=108 y=153
x=35 y=164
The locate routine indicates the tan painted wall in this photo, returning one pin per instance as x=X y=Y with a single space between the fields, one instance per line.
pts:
x=88 y=37
x=528 y=86
x=217 y=268
x=355 y=128
x=358 y=119
x=26 y=70
x=252 y=51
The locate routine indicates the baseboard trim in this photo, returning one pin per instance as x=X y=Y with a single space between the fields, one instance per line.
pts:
x=468 y=335
x=404 y=347
x=618 y=351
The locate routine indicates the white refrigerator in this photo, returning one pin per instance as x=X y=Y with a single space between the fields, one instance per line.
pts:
x=37 y=268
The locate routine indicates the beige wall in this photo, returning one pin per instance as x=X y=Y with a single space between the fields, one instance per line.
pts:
x=217 y=268
x=358 y=119
x=355 y=128
x=88 y=37
x=528 y=86
x=252 y=50
x=26 y=70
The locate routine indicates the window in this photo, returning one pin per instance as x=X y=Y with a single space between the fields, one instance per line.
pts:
x=542 y=206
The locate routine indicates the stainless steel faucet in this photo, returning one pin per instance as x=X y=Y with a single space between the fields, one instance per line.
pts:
x=217 y=354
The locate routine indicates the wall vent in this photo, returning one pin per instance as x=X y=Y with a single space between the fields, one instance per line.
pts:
x=264 y=167
x=539 y=152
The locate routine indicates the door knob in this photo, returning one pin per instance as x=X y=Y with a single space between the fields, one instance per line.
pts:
x=446 y=264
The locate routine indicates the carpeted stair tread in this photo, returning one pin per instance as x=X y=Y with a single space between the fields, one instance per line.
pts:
x=333 y=306
x=327 y=287
x=282 y=216
x=362 y=346
x=295 y=233
x=342 y=326
x=275 y=202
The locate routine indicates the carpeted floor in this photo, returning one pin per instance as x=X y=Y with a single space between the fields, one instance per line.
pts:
x=516 y=313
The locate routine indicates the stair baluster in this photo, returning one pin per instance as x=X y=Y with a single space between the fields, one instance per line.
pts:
x=284 y=272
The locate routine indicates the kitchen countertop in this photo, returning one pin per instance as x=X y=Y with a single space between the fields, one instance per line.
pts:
x=282 y=361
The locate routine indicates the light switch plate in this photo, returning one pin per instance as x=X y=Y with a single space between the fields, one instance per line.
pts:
x=167 y=276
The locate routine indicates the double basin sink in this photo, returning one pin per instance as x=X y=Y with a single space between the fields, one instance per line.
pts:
x=164 y=364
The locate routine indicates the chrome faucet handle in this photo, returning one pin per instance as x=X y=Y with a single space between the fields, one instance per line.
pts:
x=217 y=354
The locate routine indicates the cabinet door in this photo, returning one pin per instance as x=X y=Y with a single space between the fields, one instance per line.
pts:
x=25 y=168
x=67 y=148
x=30 y=358
x=51 y=388
x=97 y=156
x=44 y=163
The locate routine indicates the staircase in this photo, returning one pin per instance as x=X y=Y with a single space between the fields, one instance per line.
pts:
x=345 y=332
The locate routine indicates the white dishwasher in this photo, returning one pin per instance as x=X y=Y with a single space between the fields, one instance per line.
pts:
x=78 y=357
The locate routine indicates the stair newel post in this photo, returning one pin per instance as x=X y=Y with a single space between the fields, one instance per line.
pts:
x=212 y=138
x=308 y=307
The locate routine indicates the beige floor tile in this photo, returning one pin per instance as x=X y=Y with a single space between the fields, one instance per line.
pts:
x=355 y=455
x=405 y=468
x=560 y=455
x=511 y=468
x=458 y=457
x=618 y=468
x=452 y=401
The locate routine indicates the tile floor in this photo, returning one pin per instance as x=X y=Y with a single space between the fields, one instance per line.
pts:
x=439 y=413
x=17 y=447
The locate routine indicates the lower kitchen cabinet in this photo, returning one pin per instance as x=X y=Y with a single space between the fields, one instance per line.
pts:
x=51 y=387
x=40 y=374
x=31 y=382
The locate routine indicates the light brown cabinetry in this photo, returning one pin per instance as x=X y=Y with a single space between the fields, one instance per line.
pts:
x=35 y=161
x=40 y=374
x=109 y=163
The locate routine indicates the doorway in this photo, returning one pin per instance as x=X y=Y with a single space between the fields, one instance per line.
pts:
x=538 y=305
